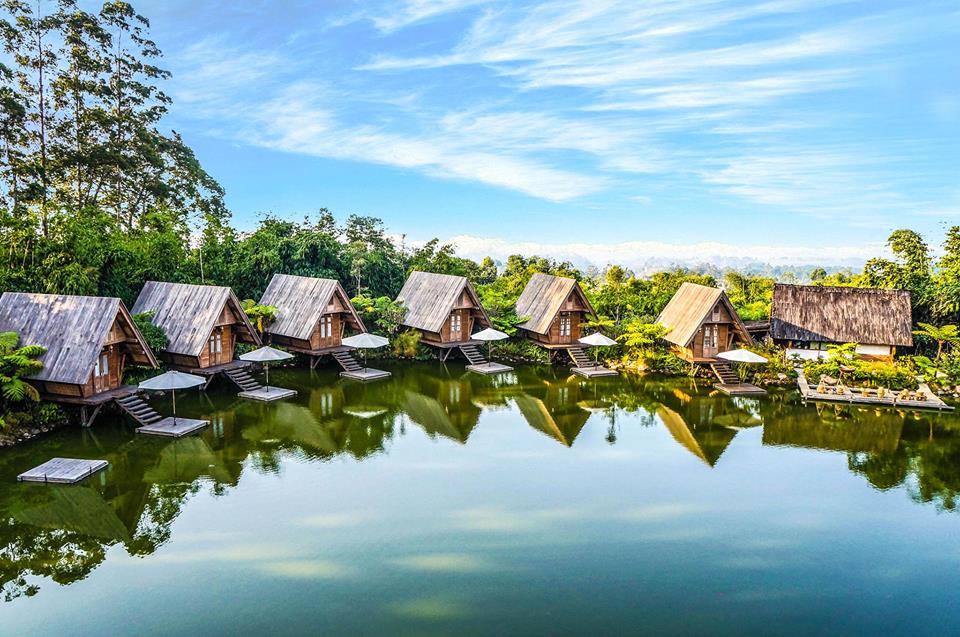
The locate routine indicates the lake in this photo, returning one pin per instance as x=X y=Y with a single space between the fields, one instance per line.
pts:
x=442 y=502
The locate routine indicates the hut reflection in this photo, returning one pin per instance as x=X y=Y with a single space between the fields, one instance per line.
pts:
x=554 y=408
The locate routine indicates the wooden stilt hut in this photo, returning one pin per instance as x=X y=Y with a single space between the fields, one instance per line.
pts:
x=89 y=340
x=445 y=309
x=203 y=324
x=313 y=316
x=702 y=323
x=556 y=309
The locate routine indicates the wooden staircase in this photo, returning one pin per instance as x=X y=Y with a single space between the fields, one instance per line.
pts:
x=138 y=409
x=242 y=379
x=473 y=354
x=579 y=357
x=347 y=361
x=725 y=373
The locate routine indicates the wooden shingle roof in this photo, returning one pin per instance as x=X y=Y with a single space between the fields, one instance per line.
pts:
x=841 y=315
x=543 y=297
x=188 y=313
x=690 y=307
x=429 y=299
x=301 y=301
x=73 y=329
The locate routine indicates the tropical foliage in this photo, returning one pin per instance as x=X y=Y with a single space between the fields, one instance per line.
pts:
x=17 y=362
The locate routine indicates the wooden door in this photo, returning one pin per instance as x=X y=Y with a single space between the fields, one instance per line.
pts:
x=565 y=333
x=456 y=326
x=216 y=348
x=710 y=341
x=101 y=373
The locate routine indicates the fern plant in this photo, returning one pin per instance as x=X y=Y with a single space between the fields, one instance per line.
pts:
x=16 y=363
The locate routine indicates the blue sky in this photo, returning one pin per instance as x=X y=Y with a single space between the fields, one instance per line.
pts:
x=615 y=127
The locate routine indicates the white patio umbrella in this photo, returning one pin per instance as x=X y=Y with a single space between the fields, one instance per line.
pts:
x=365 y=341
x=172 y=381
x=490 y=335
x=266 y=355
x=743 y=356
x=597 y=340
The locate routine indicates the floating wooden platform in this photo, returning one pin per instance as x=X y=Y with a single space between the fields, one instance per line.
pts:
x=489 y=368
x=932 y=401
x=593 y=372
x=366 y=374
x=740 y=389
x=63 y=470
x=268 y=394
x=173 y=428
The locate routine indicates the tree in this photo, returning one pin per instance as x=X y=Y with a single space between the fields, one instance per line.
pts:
x=383 y=311
x=943 y=335
x=263 y=315
x=153 y=334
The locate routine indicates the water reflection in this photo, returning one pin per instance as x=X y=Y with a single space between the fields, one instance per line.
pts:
x=62 y=533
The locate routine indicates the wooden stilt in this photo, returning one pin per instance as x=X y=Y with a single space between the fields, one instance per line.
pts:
x=86 y=419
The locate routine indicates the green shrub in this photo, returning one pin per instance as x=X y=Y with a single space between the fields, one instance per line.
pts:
x=405 y=344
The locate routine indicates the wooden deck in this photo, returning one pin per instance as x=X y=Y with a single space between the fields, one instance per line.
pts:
x=268 y=394
x=854 y=397
x=173 y=428
x=489 y=368
x=63 y=470
x=213 y=370
x=95 y=400
x=452 y=345
x=322 y=351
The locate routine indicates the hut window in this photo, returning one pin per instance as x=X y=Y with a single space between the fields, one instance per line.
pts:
x=326 y=326
x=716 y=313
x=216 y=344
x=564 y=326
x=102 y=366
x=455 y=322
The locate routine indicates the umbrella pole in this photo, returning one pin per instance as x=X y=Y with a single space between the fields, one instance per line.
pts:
x=364 y=362
x=173 y=392
x=266 y=367
x=489 y=353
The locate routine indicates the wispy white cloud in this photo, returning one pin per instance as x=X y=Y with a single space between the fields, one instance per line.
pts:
x=407 y=12
x=565 y=100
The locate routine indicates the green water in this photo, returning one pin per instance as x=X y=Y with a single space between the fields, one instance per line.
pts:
x=441 y=502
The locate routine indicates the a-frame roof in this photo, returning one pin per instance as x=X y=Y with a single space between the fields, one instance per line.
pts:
x=430 y=297
x=188 y=313
x=690 y=307
x=543 y=298
x=72 y=328
x=301 y=301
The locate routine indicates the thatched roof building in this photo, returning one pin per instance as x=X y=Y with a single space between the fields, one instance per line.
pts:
x=443 y=307
x=701 y=323
x=89 y=340
x=202 y=322
x=312 y=313
x=809 y=317
x=555 y=308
